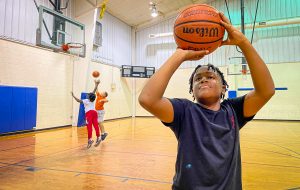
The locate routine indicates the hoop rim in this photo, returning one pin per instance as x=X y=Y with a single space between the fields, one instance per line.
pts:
x=74 y=45
x=244 y=71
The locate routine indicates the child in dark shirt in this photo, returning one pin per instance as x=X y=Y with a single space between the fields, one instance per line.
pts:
x=208 y=131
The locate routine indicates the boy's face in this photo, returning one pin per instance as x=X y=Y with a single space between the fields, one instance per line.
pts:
x=103 y=94
x=207 y=86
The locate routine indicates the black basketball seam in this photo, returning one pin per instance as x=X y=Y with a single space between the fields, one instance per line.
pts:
x=197 y=42
x=197 y=21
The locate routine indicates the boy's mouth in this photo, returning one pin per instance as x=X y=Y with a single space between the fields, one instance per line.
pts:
x=204 y=86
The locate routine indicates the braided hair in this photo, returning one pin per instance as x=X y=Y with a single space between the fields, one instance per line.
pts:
x=215 y=69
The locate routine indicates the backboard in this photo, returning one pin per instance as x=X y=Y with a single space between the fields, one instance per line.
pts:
x=55 y=29
x=236 y=67
x=137 y=71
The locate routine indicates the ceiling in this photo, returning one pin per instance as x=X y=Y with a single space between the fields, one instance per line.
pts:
x=136 y=13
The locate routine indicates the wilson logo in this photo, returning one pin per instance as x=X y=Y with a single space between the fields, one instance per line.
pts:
x=202 y=32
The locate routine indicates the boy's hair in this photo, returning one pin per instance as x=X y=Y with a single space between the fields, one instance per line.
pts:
x=91 y=97
x=215 y=69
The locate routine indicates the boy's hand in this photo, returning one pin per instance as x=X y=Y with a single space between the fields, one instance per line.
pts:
x=97 y=81
x=235 y=37
x=191 y=54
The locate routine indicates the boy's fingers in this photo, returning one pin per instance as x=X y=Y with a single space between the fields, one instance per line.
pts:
x=226 y=42
x=224 y=24
x=228 y=27
x=224 y=18
x=200 y=54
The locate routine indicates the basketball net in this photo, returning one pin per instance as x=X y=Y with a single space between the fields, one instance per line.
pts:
x=75 y=57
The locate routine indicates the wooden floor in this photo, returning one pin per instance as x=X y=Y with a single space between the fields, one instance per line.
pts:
x=139 y=154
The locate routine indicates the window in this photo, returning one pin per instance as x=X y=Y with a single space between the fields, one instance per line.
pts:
x=98 y=34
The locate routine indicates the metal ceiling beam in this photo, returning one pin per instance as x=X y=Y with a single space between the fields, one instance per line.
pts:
x=92 y=3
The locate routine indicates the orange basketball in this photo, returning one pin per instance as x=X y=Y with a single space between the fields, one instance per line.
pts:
x=198 y=27
x=96 y=74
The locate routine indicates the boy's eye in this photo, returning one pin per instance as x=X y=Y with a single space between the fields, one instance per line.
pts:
x=198 y=78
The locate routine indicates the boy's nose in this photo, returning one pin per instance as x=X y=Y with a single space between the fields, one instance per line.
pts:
x=203 y=79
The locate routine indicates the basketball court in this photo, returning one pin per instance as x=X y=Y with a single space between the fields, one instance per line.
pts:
x=51 y=48
x=139 y=153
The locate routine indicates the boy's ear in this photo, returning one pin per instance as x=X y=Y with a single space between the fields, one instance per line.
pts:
x=193 y=96
x=224 y=89
x=223 y=92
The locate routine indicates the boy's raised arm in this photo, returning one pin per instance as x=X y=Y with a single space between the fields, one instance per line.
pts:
x=78 y=100
x=262 y=80
x=151 y=97
x=97 y=82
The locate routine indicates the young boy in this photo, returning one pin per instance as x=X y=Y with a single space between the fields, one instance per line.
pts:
x=100 y=101
x=208 y=131
x=91 y=117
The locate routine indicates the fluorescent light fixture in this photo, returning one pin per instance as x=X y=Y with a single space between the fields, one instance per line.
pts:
x=161 y=35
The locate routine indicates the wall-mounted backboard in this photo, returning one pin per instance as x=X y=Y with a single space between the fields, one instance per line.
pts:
x=56 y=29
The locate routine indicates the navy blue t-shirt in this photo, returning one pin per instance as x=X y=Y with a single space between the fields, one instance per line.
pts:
x=208 y=145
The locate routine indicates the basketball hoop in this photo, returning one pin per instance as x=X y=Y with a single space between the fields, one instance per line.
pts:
x=68 y=46
x=244 y=71
x=73 y=48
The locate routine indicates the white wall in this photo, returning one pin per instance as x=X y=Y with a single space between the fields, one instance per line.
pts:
x=51 y=73
x=285 y=104
x=56 y=75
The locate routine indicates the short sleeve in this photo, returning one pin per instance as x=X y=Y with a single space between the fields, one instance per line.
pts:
x=179 y=106
x=85 y=101
x=238 y=106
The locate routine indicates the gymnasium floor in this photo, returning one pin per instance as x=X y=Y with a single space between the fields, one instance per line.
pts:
x=139 y=154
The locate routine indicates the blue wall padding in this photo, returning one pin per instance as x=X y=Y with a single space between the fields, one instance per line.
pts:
x=30 y=108
x=81 y=114
x=5 y=108
x=232 y=94
x=18 y=108
x=248 y=89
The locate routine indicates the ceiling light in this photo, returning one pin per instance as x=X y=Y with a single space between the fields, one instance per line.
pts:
x=153 y=9
x=154 y=12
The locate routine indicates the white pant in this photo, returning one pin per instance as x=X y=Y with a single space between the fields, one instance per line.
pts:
x=100 y=115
